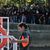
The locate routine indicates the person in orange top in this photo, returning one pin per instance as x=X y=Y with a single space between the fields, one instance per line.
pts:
x=24 y=38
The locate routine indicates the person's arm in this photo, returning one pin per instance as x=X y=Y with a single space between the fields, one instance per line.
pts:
x=22 y=40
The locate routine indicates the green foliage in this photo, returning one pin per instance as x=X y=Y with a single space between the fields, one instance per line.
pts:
x=19 y=3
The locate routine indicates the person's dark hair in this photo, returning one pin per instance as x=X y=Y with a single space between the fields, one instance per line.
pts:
x=22 y=24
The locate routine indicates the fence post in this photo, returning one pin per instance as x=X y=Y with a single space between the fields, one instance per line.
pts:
x=14 y=46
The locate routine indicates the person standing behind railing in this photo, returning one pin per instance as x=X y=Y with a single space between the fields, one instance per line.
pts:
x=24 y=38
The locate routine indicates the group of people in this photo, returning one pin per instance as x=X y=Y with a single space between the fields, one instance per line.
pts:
x=34 y=13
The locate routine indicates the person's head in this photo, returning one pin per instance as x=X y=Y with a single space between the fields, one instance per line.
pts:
x=22 y=27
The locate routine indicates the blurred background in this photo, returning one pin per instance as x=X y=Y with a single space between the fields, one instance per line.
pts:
x=35 y=13
x=28 y=11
